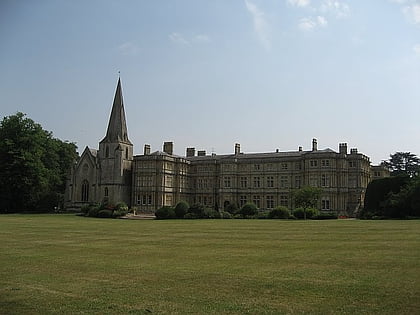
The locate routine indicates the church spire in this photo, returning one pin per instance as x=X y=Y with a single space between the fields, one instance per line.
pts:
x=117 y=127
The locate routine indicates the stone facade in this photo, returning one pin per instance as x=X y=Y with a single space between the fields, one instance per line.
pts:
x=152 y=180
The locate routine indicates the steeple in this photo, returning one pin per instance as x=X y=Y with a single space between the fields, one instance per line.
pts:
x=117 y=127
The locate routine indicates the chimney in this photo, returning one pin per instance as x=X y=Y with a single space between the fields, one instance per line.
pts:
x=146 y=150
x=190 y=152
x=202 y=153
x=314 y=144
x=168 y=147
x=300 y=149
x=277 y=150
x=353 y=151
x=237 y=148
x=343 y=148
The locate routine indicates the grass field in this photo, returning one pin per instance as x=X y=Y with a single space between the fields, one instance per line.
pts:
x=68 y=264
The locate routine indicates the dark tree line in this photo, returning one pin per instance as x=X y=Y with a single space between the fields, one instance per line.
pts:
x=399 y=195
x=33 y=166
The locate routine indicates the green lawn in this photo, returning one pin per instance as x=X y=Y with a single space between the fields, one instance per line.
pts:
x=69 y=264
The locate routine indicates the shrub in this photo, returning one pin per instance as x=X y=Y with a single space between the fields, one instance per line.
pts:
x=326 y=216
x=248 y=209
x=104 y=213
x=190 y=215
x=262 y=215
x=310 y=212
x=93 y=211
x=165 y=213
x=122 y=206
x=211 y=214
x=279 y=213
x=232 y=208
x=181 y=209
x=197 y=209
x=119 y=213
x=238 y=216
x=226 y=215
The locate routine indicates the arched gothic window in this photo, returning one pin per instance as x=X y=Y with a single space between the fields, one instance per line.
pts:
x=85 y=191
x=126 y=153
x=107 y=152
x=106 y=192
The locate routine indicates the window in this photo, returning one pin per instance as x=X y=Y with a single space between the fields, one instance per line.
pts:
x=138 y=200
x=284 y=200
x=85 y=191
x=227 y=182
x=200 y=183
x=313 y=163
x=107 y=152
x=270 y=202
x=257 y=201
x=244 y=182
x=298 y=166
x=257 y=167
x=270 y=181
x=106 y=192
x=325 y=180
x=325 y=163
x=297 y=182
x=169 y=181
x=352 y=163
x=257 y=182
x=284 y=181
x=149 y=199
x=284 y=166
x=242 y=200
x=325 y=204
x=126 y=153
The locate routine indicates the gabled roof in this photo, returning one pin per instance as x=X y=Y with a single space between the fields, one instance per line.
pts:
x=117 y=127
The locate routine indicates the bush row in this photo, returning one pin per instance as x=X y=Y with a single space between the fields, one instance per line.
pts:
x=105 y=210
x=249 y=211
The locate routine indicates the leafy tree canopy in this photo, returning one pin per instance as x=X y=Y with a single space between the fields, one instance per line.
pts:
x=403 y=163
x=33 y=165
x=307 y=197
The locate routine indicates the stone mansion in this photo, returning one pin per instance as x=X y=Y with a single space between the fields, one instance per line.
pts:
x=155 y=179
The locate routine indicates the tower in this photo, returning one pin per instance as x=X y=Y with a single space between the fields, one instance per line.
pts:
x=116 y=156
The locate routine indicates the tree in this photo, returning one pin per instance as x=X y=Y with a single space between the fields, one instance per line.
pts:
x=307 y=197
x=403 y=163
x=181 y=209
x=33 y=165
x=248 y=209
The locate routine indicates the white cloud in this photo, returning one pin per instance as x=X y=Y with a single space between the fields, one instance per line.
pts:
x=416 y=49
x=129 y=48
x=338 y=8
x=412 y=12
x=260 y=24
x=201 y=38
x=178 y=38
x=299 y=3
x=307 y=24
x=321 y=20
x=310 y=23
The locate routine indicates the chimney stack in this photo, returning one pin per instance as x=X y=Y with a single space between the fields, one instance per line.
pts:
x=314 y=144
x=146 y=150
x=343 y=148
x=190 y=152
x=300 y=149
x=237 y=148
x=202 y=153
x=168 y=147
x=353 y=151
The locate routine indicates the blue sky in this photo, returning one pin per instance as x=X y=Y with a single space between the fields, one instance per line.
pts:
x=267 y=74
